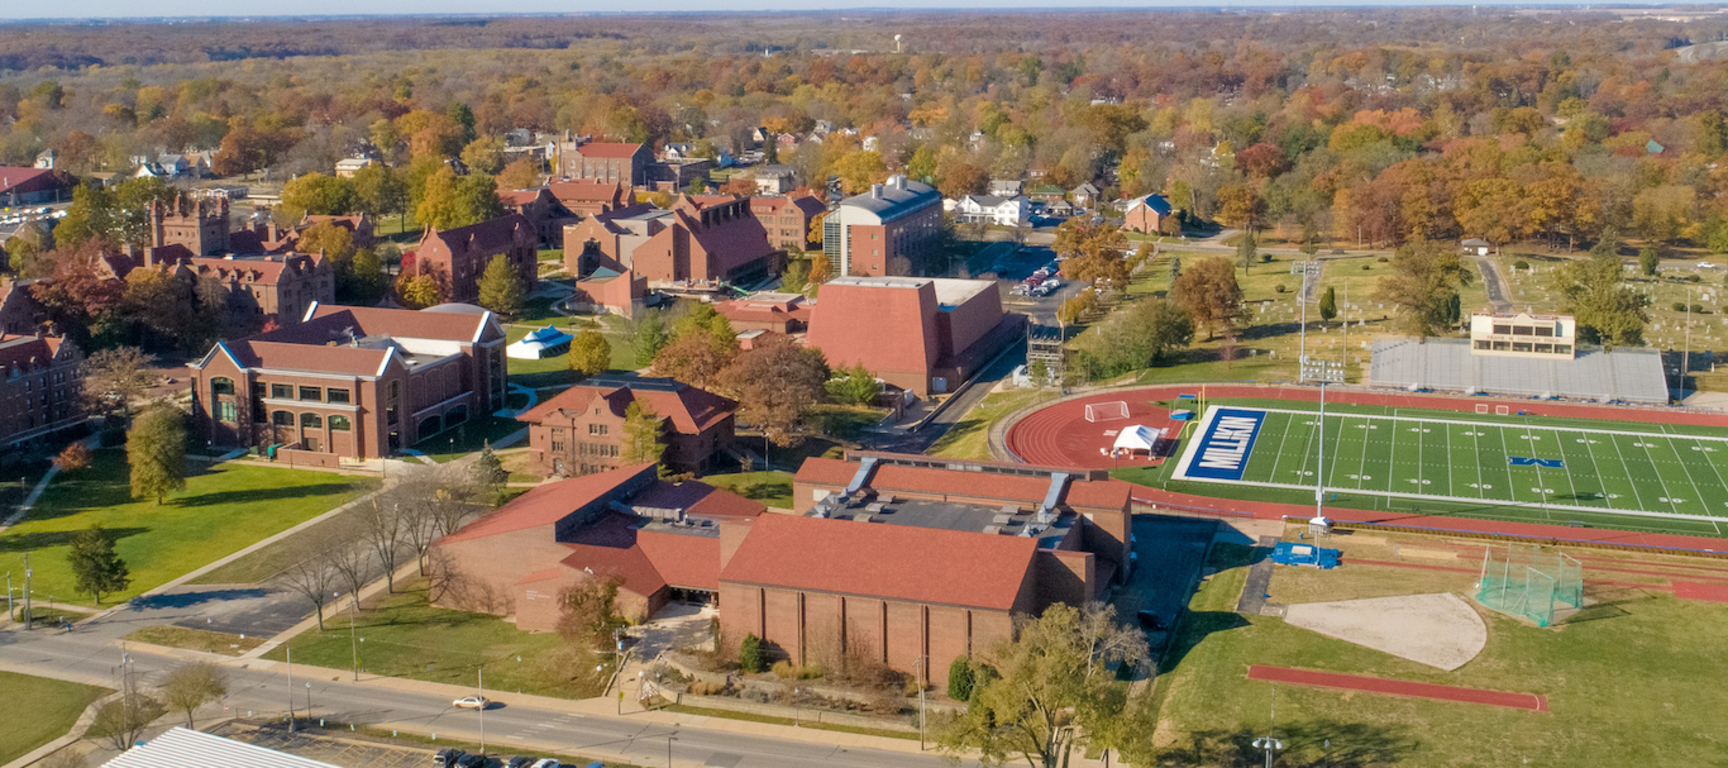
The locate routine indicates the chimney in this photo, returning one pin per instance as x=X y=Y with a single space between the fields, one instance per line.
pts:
x=875 y=191
x=898 y=182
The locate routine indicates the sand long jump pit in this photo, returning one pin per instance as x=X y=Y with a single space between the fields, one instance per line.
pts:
x=1439 y=630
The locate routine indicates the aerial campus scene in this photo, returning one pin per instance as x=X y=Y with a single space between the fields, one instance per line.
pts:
x=742 y=385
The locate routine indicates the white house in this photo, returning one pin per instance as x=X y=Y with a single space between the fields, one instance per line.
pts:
x=990 y=209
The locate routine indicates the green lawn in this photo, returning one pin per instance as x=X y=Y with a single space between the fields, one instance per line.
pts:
x=407 y=637
x=223 y=509
x=195 y=639
x=1632 y=681
x=555 y=371
x=37 y=710
x=771 y=488
x=969 y=438
x=467 y=438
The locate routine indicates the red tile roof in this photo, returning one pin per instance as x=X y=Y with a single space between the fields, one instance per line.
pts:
x=690 y=410
x=588 y=191
x=352 y=361
x=880 y=560
x=604 y=149
x=897 y=317
x=546 y=504
x=405 y=323
x=483 y=237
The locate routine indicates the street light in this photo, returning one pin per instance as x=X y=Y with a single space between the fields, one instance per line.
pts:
x=1269 y=744
x=669 y=739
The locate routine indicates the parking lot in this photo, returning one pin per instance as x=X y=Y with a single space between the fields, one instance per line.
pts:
x=1170 y=552
x=1017 y=268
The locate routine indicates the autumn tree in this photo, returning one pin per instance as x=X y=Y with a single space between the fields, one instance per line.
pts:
x=643 y=430
x=114 y=379
x=1608 y=311
x=380 y=191
x=502 y=289
x=318 y=195
x=484 y=155
x=1240 y=206
x=420 y=290
x=590 y=353
x=858 y=170
x=156 y=451
x=776 y=383
x=1094 y=252
x=192 y=685
x=702 y=345
x=1137 y=337
x=1665 y=213
x=1208 y=291
x=853 y=385
x=1425 y=278
x=521 y=174
x=74 y=457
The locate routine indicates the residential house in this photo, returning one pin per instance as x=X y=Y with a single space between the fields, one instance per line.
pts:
x=775 y=179
x=884 y=231
x=1007 y=187
x=1146 y=214
x=32 y=186
x=1084 y=196
x=461 y=255
x=581 y=430
x=350 y=383
x=347 y=167
x=989 y=209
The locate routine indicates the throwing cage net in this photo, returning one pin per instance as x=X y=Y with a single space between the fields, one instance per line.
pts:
x=1522 y=580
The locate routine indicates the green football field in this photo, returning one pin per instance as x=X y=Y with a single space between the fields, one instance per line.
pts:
x=1566 y=471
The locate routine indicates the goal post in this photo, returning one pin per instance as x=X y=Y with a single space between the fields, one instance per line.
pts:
x=1115 y=411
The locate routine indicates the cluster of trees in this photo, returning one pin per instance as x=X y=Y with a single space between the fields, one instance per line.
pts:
x=776 y=382
x=1502 y=126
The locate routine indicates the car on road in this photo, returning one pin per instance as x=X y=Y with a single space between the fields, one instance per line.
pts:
x=1151 y=620
x=447 y=757
x=471 y=702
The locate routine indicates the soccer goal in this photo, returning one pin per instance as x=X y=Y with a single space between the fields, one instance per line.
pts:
x=1107 y=411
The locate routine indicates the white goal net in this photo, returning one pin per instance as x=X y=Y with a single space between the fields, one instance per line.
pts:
x=1107 y=411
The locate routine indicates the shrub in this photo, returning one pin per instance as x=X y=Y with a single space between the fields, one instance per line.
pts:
x=1366 y=267
x=960 y=680
x=1383 y=260
x=1265 y=258
x=1698 y=308
x=1679 y=306
x=750 y=654
x=1521 y=265
x=705 y=688
x=1279 y=288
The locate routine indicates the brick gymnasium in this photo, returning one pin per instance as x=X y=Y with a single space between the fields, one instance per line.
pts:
x=887 y=557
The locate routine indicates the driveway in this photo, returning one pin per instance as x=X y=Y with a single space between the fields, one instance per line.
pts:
x=1171 y=551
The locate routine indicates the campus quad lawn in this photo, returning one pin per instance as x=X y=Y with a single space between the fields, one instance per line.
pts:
x=1459 y=463
x=1634 y=680
x=771 y=488
x=37 y=710
x=407 y=637
x=224 y=508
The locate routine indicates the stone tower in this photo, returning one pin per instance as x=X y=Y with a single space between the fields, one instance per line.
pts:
x=200 y=225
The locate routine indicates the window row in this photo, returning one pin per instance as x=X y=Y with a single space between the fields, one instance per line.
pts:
x=310 y=421
x=225 y=386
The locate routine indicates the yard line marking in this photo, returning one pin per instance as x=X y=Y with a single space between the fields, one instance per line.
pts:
x=1639 y=497
x=1597 y=469
x=1667 y=495
x=1476 y=439
x=1284 y=434
x=1511 y=484
x=1698 y=494
x=1545 y=427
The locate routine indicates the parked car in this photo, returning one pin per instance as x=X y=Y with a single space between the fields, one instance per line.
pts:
x=471 y=702
x=1151 y=620
x=472 y=761
x=547 y=762
x=518 y=762
x=447 y=757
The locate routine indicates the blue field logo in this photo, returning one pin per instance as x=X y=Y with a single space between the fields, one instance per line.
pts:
x=1223 y=449
x=1524 y=461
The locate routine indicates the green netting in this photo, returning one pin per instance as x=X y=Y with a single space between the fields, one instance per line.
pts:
x=1525 y=581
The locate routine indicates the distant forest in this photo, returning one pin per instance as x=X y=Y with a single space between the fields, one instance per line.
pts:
x=1385 y=124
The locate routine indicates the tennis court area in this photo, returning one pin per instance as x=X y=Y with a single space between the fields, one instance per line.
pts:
x=1566 y=471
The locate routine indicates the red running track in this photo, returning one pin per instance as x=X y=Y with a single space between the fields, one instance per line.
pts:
x=1312 y=678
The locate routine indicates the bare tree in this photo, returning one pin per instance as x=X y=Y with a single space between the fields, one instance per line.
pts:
x=385 y=529
x=192 y=685
x=351 y=558
x=313 y=573
x=115 y=378
x=70 y=757
x=432 y=501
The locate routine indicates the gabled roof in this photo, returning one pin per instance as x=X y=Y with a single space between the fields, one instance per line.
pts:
x=587 y=191
x=401 y=323
x=1156 y=203
x=27 y=353
x=490 y=235
x=690 y=410
x=895 y=562
x=604 y=149
x=546 y=504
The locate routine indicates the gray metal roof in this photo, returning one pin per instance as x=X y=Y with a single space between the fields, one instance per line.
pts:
x=1630 y=375
x=895 y=200
x=182 y=748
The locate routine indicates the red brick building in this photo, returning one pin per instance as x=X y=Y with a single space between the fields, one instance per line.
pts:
x=924 y=335
x=460 y=256
x=885 y=231
x=897 y=557
x=542 y=209
x=693 y=242
x=40 y=383
x=351 y=383
x=787 y=220
x=256 y=289
x=1146 y=214
x=29 y=186
x=581 y=430
x=591 y=198
x=785 y=313
x=663 y=542
x=625 y=164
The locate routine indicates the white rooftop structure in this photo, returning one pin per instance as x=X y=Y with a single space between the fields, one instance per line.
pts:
x=1138 y=437
x=1632 y=375
x=183 y=748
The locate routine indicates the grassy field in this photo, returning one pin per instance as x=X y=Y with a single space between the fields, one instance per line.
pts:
x=771 y=488
x=37 y=710
x=472 y=436
x=1597 y=473
x=405 y=636
x=969 y=438
x=195 y=639
x=555 y=371
x=1661 y=712
x=223 y=509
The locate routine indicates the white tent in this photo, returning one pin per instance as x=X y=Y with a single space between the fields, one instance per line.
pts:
x=1137 y=438
x=546 y=342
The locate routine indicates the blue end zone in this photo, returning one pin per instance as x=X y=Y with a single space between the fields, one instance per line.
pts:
x=1221 y=451
x=1522 y=461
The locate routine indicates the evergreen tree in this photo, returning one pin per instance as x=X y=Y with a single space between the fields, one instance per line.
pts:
x=1329 y=304
x=590 y=353
x=489 y=472
x=650 y=336
x=750 y=654
x=642 y=434
x=501 y=288
x=1649 y=261
x=960 y=679
x=96 y=567
x=156 y=449
x=1247 y=249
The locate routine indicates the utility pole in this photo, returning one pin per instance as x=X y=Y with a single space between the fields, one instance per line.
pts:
x=290 y=653
x=29 y=617
x=1686 y=357
x=481 y=671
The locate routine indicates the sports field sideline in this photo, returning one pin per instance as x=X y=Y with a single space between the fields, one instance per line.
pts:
x=1623 y=474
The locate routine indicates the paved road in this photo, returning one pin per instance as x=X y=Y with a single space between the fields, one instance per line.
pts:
x=262 y=688
x=1494 y=282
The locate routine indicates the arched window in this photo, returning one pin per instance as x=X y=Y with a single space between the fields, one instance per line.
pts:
x=221 y=385
x=430 y=426
x=339 y=423
x=282 y=419
x=311 y=420
x=456 y=416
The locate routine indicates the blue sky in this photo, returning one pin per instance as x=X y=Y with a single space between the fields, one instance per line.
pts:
x=24 y=9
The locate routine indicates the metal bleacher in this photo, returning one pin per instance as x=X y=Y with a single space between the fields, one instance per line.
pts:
x=1631 y=375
